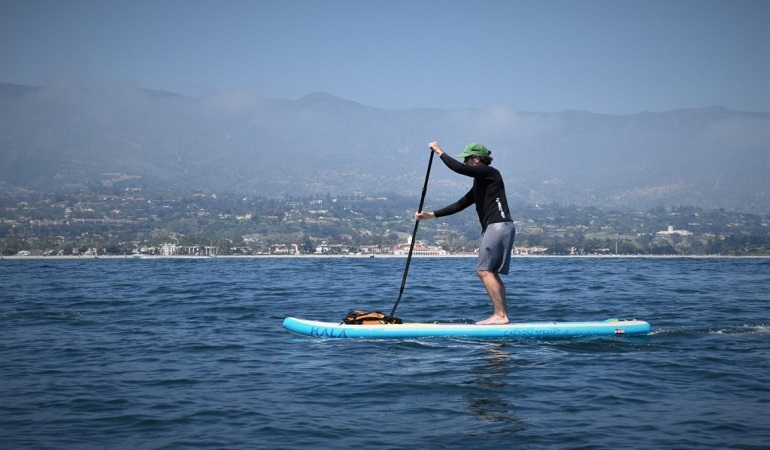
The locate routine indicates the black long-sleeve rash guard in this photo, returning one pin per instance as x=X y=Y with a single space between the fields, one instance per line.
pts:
x=487 y=193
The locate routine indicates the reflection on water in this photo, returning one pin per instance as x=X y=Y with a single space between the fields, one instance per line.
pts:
x=491 y=402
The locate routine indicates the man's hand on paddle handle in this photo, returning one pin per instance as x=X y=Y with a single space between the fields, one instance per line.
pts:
x=424 y=215
x=436 y=148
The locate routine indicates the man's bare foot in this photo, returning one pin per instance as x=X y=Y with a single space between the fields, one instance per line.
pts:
x=494 y=320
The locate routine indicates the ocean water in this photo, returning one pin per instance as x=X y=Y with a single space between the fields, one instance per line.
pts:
x=190 y=353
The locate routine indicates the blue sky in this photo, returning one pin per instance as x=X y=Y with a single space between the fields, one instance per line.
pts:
x=604 y=56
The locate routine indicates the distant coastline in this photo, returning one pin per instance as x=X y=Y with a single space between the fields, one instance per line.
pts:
x=360 y=256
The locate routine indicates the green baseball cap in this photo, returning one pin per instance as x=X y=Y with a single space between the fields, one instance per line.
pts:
x=474 y=149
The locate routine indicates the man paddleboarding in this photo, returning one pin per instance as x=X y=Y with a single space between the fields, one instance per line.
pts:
x=497 y=229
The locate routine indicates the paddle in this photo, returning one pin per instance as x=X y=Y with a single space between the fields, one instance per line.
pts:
x=414 y=234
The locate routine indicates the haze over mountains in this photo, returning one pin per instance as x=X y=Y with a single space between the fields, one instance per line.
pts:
x=60 y=137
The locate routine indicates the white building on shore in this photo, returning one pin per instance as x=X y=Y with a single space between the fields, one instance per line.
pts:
x=672 y=231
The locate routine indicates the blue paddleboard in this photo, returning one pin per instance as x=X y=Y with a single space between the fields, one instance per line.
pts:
x=609 y=327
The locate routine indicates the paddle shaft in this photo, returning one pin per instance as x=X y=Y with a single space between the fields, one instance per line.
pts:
x=414 y=235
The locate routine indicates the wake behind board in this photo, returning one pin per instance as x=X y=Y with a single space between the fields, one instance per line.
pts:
x=609 y=327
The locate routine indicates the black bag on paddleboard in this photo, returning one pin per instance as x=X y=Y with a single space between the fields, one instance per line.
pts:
x=360 y=317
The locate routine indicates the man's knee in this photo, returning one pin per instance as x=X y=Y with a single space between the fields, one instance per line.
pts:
x=484 y=273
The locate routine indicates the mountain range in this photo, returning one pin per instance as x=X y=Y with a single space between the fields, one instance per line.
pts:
x=57 y=138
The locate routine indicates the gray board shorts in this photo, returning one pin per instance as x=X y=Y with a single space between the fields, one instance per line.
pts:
x=496 y=246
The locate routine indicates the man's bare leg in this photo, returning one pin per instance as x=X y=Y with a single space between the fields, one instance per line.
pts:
x=496 y=291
